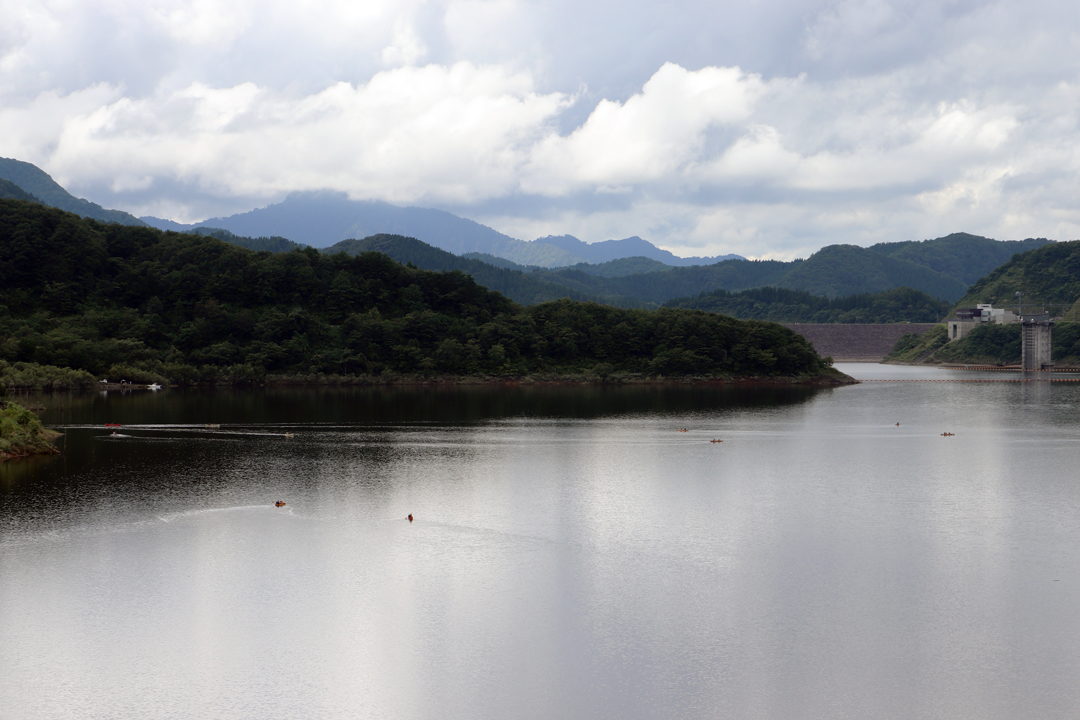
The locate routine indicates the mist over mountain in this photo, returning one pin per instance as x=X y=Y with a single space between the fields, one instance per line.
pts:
x=36 y=182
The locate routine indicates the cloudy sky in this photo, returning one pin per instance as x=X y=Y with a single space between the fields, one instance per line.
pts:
x=764 y=128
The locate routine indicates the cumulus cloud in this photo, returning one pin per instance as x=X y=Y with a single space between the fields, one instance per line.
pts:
x=650 y=137
x=765 y=129
x=450 y=134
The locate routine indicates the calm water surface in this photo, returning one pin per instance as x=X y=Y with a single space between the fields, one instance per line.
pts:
x=573 y=554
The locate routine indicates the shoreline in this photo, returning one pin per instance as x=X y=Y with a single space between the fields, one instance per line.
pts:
x=831 y=379
x=987 y=367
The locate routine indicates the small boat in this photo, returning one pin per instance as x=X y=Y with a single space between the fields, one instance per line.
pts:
x=153 y=386
x=279 y=503
x=289 y=435
x=108 y=425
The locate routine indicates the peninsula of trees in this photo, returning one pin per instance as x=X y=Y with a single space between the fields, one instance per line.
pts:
x=125 y=301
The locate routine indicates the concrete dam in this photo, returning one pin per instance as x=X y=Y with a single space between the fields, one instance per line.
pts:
x=856 y=342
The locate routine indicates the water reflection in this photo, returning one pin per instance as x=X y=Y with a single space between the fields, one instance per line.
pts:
x=573 y=555
x=443 y=404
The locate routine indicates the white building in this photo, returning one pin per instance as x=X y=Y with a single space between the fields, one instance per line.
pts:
x=967 y=319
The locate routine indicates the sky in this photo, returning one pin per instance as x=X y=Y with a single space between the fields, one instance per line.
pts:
x=768 y=129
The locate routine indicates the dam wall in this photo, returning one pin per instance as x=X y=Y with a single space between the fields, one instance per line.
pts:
x=856 y=342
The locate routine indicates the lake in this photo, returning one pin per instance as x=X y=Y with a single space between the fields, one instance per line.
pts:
x=574 y=553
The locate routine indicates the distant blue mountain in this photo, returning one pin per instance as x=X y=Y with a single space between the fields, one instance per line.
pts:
x=322 y=219
x=601 y=252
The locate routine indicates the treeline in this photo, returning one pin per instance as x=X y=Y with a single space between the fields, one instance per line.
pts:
x=796 y=306
x=273 y=243
x=147 y=305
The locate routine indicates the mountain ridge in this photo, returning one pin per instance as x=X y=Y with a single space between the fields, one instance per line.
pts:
x=322 y=218
x=633 y=246
x=39 y=184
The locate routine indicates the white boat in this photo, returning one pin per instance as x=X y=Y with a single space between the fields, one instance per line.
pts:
x=153 y=386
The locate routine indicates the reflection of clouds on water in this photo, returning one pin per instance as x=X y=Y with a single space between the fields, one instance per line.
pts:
x=189 y=514
x=566 y=557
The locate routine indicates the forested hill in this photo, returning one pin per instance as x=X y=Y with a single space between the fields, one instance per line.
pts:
x=144 y=304
x=1048 y=277
x=638 y=290
x=961 y=256
x=37 y=183
x=795 y=306
x=515 y=284
x=836 y=271
x=842 y=270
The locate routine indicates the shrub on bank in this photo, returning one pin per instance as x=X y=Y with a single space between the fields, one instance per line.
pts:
x=21 y=432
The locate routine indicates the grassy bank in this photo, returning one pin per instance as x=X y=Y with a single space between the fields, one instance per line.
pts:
x=22 y=434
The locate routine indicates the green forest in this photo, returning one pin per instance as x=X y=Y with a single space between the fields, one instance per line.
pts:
x=146 y=305
x=796 y=306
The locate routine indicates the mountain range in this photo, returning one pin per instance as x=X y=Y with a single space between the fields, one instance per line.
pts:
x=630 y=272
x=835 y=271
x=320 y=219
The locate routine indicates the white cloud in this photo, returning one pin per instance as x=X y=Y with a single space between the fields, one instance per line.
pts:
x=446 y=133
x=762 y=128
x=202 y=22
x=406 y=48
x=650 y=137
